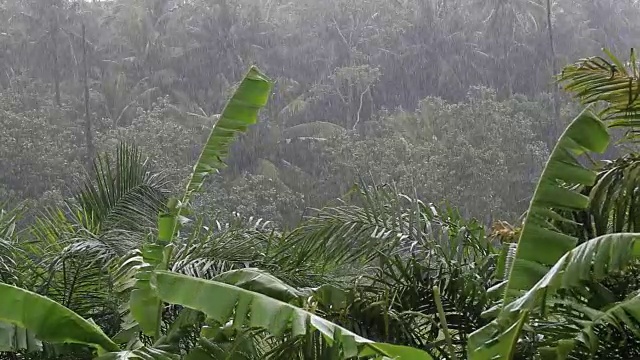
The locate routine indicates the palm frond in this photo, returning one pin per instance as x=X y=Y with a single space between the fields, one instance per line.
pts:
x=615 y=200
x=125 y=195
x=9 y=250
x=381 y=221
x=207 y=252
x=597 y=79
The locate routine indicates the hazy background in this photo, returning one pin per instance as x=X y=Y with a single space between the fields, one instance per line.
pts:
x=452 y=98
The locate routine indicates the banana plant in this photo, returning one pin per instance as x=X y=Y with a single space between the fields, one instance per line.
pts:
x=547 y=260
x=240 y=112
x=146 y=304
x=250 y=299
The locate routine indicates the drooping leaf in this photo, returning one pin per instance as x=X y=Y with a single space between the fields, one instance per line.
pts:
x=144 y=305
x=248 y=309
x=50 y=321
x=261 y=282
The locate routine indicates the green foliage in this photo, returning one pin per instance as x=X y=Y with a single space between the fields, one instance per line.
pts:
x=614 y=203
x=240 y=112
x=49 y=320
x=438 y=144
x=128 y=195
x=253 y=310
x=597 y=79
x=541 y=244
x=352 y=99
x=157 y=74
x=585 y=134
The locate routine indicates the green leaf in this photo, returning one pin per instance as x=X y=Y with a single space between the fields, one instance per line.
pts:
x=248 y=309
x=541 y=244
x=591 y=260
x=261 y=282
x=614 y=201
x=596 y=79
x=50 y=321
x=124 y=194
x=240 y=112
x=144 y=305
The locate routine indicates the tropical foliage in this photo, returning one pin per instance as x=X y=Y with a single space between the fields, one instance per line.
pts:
x=252 y=243
x=125 y=270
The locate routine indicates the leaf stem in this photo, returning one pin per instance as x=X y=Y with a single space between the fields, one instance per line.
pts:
x=443 y=322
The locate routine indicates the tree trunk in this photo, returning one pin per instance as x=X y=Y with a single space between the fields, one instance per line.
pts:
x=87 y=114
x=56 y=70
x=554 y=68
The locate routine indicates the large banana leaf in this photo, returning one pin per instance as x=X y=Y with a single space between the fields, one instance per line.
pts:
x=541 y=244
x=592 y=260
x=222 y=302
x=50 y=321
x=240 y=112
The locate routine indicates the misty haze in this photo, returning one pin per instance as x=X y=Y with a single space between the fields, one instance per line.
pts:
x=335 y=179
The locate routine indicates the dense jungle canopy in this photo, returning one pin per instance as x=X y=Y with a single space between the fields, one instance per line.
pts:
x=452 y=98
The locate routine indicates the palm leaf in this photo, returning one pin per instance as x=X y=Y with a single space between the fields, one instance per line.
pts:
x=124 y=195
x=381 y=221
x=8 y=249
x=615 y=201
x=248 y=309
x=591 y=260
x=49 y=320
x=596 y=79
